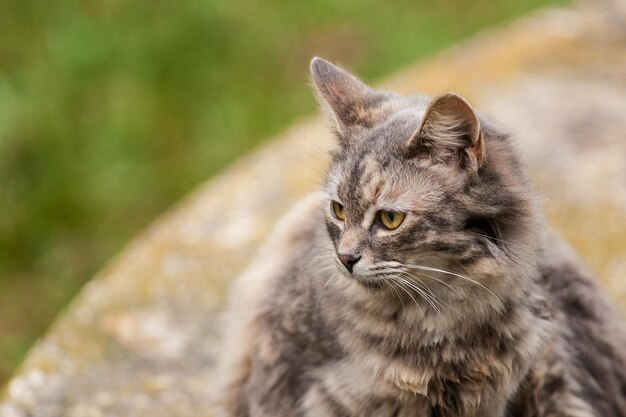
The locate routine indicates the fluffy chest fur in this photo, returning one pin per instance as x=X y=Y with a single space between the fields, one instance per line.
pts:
x=407 y=352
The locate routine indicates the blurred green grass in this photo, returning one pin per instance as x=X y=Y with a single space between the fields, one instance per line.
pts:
x=110 y=111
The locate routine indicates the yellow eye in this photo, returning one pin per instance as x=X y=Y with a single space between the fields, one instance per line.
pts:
x=338 y=210
x=391 y=219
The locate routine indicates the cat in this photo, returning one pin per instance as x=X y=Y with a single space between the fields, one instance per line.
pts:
x=422 y=281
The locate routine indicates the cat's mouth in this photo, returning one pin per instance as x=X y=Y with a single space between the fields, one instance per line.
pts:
x=369 y=281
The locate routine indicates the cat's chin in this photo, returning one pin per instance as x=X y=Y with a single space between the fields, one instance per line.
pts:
x=373 y=284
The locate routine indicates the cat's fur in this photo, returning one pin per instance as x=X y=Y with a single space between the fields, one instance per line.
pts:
x=472 y=307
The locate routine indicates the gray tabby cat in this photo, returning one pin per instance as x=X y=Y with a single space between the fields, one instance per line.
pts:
x=422 y=282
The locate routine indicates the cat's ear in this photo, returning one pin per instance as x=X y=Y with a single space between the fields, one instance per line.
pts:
x=450 y=133
x=346 y=99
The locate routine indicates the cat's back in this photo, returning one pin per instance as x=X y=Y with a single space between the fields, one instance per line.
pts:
x=593 y=330
x=267 y=286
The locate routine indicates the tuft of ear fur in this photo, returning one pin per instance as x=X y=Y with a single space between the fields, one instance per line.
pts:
x=450 y=133
x=346 y=99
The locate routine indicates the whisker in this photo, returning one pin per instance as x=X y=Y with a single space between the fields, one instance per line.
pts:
x=429 y=295
x=411 y=296
x=425 y=296
x=454 y=290
x=432 y=293
x=435 y=304
x=390 y=285
x=319 y=298
x=422 y=274
x=310 y=258
x=443 y=271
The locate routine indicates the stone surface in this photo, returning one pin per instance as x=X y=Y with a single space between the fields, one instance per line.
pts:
x=140 y=339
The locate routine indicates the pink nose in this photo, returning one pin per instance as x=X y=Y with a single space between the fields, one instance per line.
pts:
x=349 y=260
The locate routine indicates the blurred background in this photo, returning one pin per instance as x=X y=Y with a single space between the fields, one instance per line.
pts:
x=112 y=110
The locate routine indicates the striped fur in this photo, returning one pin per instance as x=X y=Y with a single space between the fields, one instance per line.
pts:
x=471 y=307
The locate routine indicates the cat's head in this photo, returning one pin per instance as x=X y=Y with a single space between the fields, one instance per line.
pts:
x=421 y=191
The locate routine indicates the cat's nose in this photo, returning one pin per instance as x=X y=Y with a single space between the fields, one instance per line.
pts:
x=349 y=260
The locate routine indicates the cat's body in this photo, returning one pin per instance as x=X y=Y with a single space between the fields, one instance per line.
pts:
x=466 y=306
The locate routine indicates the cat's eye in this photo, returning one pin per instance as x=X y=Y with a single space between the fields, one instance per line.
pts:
x=391 y=219
x=338 y=210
